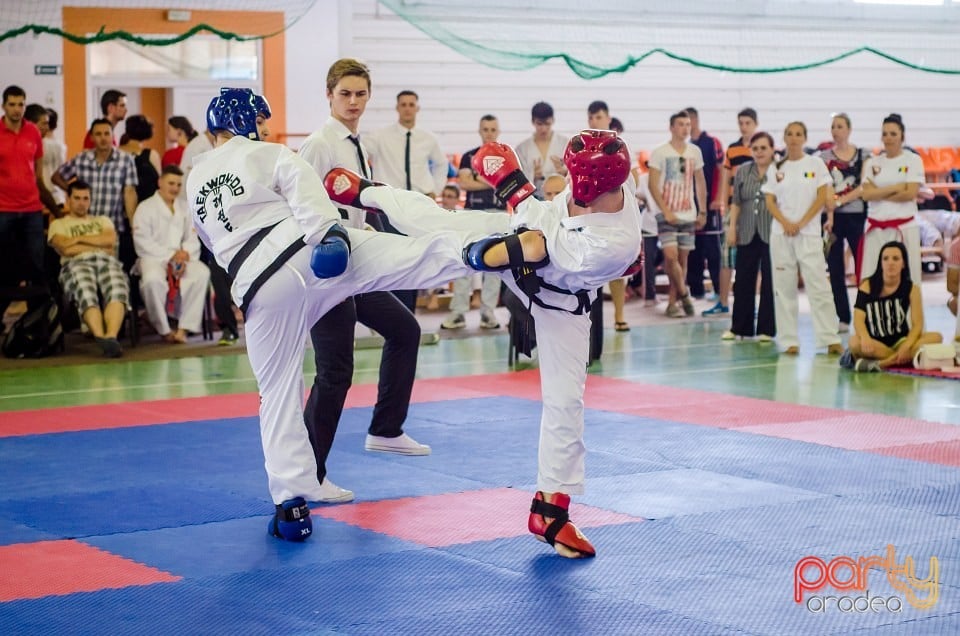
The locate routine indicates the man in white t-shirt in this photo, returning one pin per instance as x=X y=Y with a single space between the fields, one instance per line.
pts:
x=541 y=154
x=676 y=174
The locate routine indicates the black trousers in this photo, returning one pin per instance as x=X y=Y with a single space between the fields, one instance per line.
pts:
x=706 y=247
x=22 y=245
x=752 y=259
x=222 y=300
x=650 y=254
x=332 y=338
x=846 y=227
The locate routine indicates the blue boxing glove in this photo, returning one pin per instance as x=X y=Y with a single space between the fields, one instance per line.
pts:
x=331 y=257
x=291 y=521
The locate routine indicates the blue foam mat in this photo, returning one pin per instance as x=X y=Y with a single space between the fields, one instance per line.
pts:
x=734 y=511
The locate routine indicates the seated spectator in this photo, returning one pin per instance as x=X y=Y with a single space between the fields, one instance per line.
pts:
x=888 y=316
x=89 y=268
x=953 y=282
x=169 y=260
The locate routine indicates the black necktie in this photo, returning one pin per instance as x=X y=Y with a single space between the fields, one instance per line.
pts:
x=406 y=161
x=363 y=162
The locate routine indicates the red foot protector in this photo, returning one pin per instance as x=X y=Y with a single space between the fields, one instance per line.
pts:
x=559 y=533
x=56 y=568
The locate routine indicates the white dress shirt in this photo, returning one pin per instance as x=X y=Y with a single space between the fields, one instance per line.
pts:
x=330 y=147
x=428 y=164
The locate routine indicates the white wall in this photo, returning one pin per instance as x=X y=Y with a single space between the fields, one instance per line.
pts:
x=455 y=91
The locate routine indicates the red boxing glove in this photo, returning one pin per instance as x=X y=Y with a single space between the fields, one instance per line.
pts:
x=344 y=186
x=498 y=165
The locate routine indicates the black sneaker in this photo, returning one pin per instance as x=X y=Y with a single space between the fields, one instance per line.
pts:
x=847 y=361
x=228 y=338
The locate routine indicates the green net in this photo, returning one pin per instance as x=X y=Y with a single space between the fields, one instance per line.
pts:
x=37 y=17
x=772 y=36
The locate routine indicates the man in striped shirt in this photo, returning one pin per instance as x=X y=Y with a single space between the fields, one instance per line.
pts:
x=738 y=153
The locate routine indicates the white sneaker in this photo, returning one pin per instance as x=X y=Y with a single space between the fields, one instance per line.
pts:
x=331 y=493
x=403 y=445
x=844 y=328
x=728 y=335
x=764 y=338
x=453 y=321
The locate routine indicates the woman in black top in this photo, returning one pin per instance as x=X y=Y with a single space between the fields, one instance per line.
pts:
x=888 y=315
x=138 y=130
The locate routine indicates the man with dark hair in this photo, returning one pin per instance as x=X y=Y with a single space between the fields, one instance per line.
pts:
x=678 y=188
x=23 y=195
x=738 y=153
x=112 y=176
x=408 y=157
x=480 y=196
x=541 y=155
x=113 y=106
x=173 y=281
x=707 y=239
x=88 y=268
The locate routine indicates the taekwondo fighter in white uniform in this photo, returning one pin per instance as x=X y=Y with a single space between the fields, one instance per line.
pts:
x=592 y=234
x=264 y=214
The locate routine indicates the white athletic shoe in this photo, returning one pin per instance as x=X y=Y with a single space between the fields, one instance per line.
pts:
x=331 y=493
x=403 y=445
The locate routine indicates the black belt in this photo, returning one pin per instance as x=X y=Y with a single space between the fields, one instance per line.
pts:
x=237 y=262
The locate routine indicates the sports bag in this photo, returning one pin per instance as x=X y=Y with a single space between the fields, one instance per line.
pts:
x=36 y=334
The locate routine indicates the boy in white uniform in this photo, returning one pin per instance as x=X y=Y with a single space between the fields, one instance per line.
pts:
x=169 y=258
x=592 y=234
x=266 y=217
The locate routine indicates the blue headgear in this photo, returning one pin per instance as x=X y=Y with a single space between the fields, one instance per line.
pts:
x=236 y=110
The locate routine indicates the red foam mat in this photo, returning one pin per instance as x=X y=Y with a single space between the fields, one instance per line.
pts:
x=53 y=568
x=438 y=520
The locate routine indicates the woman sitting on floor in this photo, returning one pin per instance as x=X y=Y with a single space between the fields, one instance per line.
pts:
x=888 y=316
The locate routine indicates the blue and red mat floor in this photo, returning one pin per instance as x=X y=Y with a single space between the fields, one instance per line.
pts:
x=150 y=518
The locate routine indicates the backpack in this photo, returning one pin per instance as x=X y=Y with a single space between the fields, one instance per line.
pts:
x=36 y=334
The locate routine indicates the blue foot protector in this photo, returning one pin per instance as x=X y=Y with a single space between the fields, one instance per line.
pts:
x=291 y=521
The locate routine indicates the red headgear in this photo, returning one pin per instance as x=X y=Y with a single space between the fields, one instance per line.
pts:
x=598 y=162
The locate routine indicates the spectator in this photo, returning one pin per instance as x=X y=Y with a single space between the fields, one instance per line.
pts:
x=738 y=153
x=22 y=196
x=598 y=117
x=707 y=241
x=219 y=279
x=888 y=316
x=89 y=269
x=147 y=160
x=112 y=176
x=845 y=163
x=676 y=186
x=953 y=281
x=796 y=190
x=408 y=157
x=480 y=196
x=651 y=241
x=173 y=281
x=54 y=154
x=748 y=229
x=541 y=155
x=180 y=132
x=890 y=183
x=113 y=107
